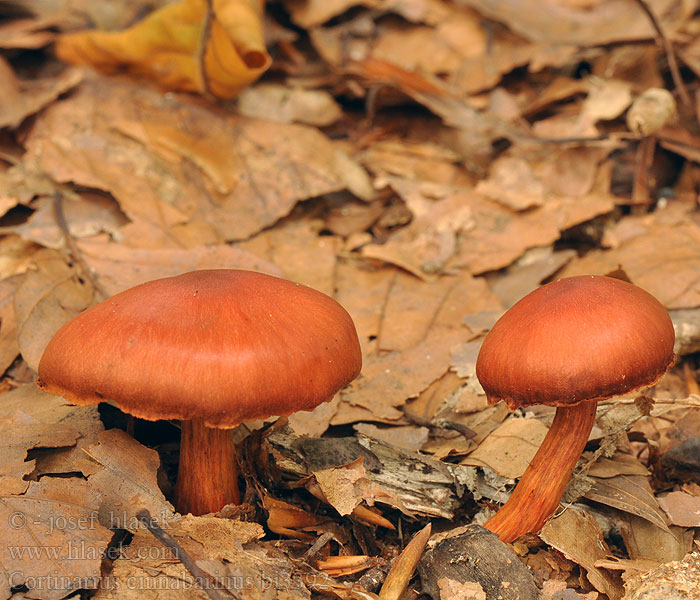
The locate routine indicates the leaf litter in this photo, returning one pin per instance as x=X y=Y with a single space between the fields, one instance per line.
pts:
x=427 y=163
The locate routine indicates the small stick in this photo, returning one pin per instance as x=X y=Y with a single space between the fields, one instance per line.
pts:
x=205 y=88
x=670 y=56
x=169 y=542
x=72 y=247
x=402 y=571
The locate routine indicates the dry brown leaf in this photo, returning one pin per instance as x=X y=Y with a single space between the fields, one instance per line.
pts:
x=512 y=183
x=408 y=437
x=509 y=449
x=9 y=347
x=413 y=160
x=576 y=534
x=276 y=102
x=79 y=14
x=453 y=590
x=607 y=99
x=665 y=261
x=20 y=99
x=619 y=464
x=362 y=289
x=499 y=236
x=644 y=539
x=19 y=434
x=414 y=309
x=146 y=567
x=46 y=298
x=389 y=380
x=682 y=509
x=177 y=172
x=314 y=423
x=528 y=272
x=309 y=13
x=26 y=33
x=344 y=487
x=119 y=267
x=55 y=411
x=87 y=214
x=557 y=23
x=164 y=46
x=53 y=540
x=127 y=481
x=299 y=252
x=629 y=493
x=430 y=240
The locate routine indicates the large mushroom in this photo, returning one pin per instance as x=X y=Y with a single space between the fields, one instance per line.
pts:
x=569 y=344
x=213 y=349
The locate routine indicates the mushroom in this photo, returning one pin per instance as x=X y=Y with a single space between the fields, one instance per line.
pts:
x=213 y=348
x=569 y=344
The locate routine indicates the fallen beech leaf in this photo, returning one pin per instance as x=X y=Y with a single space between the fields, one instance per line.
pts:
x=55 y=411
x=344 y=487
x=644 y=539
x=607 y=99
x=20 y=99
x=22 y=433
x=414 y=309
x=53 y=541
x=87 y=214
x=389 y=380
x=26 y=33
x=509 y=449
x=177 y=171
x=46 y=298
x=128 y=480
x=512 y=183
x=665 y=261
x=453 y=590
x=408 y=437
x=119 y=267
x=276 y=102
x=9 y=348
x=299 y=252
x=629 y=493
x=572 y=22
x=164 y=46
x=576 y=534
x=146 y=568
x=682 y=508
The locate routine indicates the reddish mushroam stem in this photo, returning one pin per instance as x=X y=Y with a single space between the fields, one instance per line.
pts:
x=540 y=489
x=207 y=478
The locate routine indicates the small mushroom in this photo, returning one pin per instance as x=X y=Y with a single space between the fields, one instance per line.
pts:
x=213 y=348
x=569 y=344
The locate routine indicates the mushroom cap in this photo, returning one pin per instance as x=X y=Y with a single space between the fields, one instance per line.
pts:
x=224 y=346
x=576 y=339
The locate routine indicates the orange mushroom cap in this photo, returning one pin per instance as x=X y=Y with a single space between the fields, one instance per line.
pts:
x=576 y=339
x=223 y=346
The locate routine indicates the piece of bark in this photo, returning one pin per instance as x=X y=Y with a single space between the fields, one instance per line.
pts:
x=686 y=322
x=477 y=555
x=417 y=485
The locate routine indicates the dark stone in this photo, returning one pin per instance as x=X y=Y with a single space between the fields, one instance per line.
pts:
x=477 y=555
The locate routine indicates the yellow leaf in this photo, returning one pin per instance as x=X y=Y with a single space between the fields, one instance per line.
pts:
x=165 y=47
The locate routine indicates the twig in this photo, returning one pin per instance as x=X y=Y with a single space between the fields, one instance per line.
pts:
x=72 y=247
x=205 y=88
x=200 y=577
x=670 y=56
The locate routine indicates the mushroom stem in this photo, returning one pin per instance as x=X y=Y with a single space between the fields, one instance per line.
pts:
x=540 y=489
x=207 y=478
